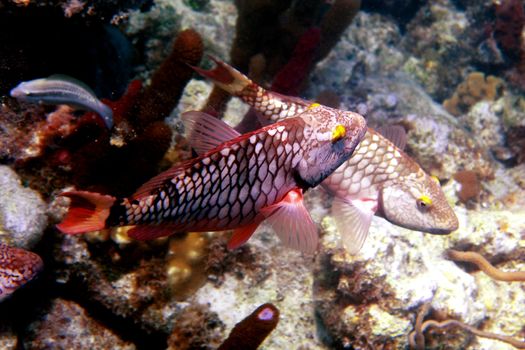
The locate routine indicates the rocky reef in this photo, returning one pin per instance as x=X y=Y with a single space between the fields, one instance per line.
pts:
x=449 y=72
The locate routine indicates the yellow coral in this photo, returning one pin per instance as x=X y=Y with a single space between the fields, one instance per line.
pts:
x=475 y=88
x=185 y=263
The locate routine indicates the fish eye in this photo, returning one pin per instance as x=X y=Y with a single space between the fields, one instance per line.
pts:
x=338 y=133
x=424 y=202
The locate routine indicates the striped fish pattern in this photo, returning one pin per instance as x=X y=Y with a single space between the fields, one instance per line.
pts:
x=379 y=179
x=239 y=180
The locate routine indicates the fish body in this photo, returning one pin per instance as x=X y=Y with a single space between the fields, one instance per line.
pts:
x=17 y=267
x=59 y=89
x=379 y=179
x=237 y=182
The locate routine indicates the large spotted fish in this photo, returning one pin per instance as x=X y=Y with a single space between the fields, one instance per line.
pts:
x=17 y=267
x=237 y=182
x=378 y=179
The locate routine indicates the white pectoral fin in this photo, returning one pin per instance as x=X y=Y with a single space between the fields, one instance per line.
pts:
x=294 y=225
x=353 y=219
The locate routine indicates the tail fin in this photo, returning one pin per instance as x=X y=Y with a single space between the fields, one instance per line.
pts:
x=88 y=211
x=226 y=77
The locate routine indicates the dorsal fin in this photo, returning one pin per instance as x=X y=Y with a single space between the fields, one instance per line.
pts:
x=205 y=132
x=395 y=133
x=72 y=80
x=154 y=183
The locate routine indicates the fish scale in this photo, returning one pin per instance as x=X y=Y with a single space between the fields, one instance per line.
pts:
x=263 y=172
x=379 y=178
x=376 y=162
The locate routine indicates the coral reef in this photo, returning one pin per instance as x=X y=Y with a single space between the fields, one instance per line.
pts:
x=67 y=325
x=195 y=328
x=476 y=87
x=22 y=222
x=169 y=80
x=469 y=185
x=283 y=40
x=396 y=62
x=435 y=36
x=90 y=157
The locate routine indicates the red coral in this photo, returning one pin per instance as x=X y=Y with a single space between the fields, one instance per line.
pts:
x=508 y=26
x=291 y=77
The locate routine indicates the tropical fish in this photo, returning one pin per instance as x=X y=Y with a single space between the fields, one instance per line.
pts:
x=237 y=182
x=17 y=267
x=378 y=179
x=62 y=89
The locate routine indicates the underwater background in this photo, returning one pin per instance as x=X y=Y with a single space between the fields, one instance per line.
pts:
x=451 y=73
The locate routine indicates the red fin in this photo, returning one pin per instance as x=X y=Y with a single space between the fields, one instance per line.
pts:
x=149 y=187
x=205 y=132
x=221 y=73
x=226 y=77
x=146 y=232
x=87 y=212
x=242 y=234
x=292 y=222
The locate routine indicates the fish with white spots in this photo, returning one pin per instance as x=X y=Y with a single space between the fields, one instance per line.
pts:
x=379 y=179
x=237 y=182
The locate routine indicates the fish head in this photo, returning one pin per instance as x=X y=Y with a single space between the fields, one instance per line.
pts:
x=20 y=91
x=417 y=202
x=330 y=137
x=28 y=90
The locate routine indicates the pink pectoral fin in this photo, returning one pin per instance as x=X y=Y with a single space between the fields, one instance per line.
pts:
x=292 y=222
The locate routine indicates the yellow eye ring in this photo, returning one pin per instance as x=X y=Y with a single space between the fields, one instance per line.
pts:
x=338 y=133
x=314 y=105
x=424 y=202
x=435 y=178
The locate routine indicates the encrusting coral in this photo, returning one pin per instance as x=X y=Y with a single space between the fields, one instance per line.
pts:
x=475 y=88
x=469 y=183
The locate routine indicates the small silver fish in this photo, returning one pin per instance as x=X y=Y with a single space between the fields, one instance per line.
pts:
x=379 y=179
x=17 y=267
x=61 y=89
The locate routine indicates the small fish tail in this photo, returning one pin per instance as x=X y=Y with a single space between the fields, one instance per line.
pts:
x=226 y=77
x=87 y=212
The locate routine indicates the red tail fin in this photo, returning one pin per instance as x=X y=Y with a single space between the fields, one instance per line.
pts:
x=220 y=73
x=88 y=211
x=226 y=77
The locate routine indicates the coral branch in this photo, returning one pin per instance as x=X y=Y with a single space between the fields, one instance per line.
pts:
x=168 y=82
x=250 y=332
x=485 y=266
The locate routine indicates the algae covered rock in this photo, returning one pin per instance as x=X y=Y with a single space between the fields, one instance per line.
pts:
x=22 y=217
x=66 y=325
